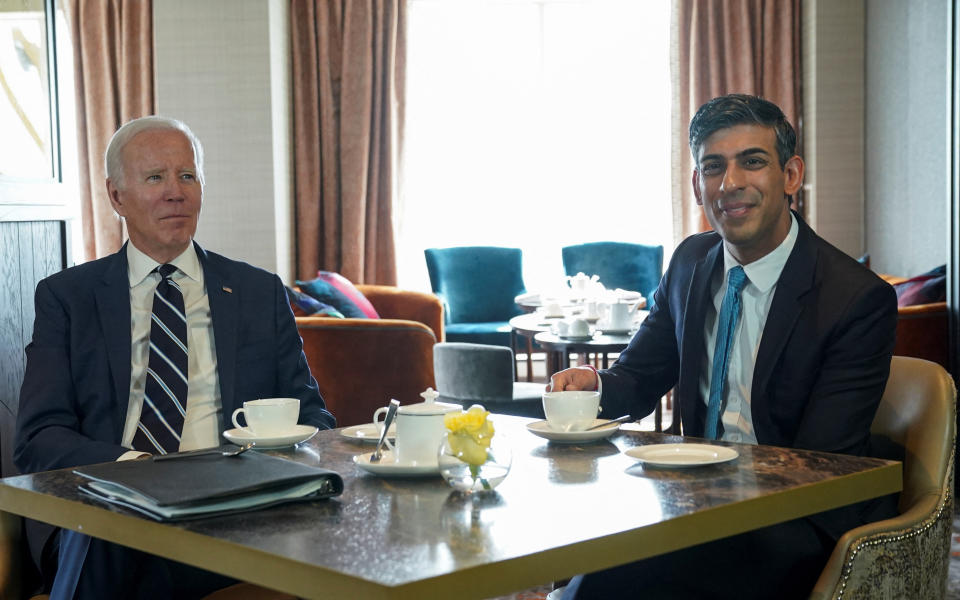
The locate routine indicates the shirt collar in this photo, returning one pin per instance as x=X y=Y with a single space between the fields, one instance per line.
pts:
x=139 y=265
x=764 y=273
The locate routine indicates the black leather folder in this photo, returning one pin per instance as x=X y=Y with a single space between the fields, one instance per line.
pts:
x=202 y=486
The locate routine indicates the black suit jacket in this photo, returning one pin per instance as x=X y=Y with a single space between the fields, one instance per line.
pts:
x=76 y=388
x=823 y=360
x=73 y=403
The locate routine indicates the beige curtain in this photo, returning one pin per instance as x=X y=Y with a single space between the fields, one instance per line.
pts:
x=113 y=60
x=348 y=74
x=729 y=46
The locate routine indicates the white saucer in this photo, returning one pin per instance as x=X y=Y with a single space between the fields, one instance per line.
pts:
x=388 y=467
x=682 y=455
x=577 y=338
x=614 y=331
x=542 y=429
x=299 y=433
x=368 y=432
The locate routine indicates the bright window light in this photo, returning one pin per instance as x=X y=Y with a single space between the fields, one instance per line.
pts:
x=534 y=124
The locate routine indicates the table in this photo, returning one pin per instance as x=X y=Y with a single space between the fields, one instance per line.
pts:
x=560 y=348
x=526 y=326
x=396 y=539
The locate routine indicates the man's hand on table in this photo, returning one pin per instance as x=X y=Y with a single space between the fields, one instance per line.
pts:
x=574 y=378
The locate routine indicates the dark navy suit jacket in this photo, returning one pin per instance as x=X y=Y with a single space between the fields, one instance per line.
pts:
x=823 y=360
x=75 y=393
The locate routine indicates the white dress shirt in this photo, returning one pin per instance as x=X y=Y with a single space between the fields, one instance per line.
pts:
x=756 y=297
x=201 y=426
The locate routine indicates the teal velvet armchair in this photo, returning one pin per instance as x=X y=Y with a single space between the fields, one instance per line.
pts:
x=634 y=267
x=477 y=285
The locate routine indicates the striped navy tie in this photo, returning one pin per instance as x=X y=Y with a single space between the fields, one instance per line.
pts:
x=165 y=392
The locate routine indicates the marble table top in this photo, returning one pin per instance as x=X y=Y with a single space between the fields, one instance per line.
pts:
x=563 y=509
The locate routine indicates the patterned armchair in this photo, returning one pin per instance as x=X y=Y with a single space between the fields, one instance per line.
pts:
x=906 y=556
x=360 y=364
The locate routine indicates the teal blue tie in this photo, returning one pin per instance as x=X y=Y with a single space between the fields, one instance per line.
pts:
x=729 y=315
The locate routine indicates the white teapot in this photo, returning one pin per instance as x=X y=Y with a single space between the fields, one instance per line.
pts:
x=580 y=282
x=419 y=429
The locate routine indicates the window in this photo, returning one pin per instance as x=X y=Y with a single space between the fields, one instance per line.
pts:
x=534 y=124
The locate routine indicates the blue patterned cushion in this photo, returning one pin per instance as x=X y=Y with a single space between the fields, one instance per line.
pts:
x=304 y=305
x=328 y=294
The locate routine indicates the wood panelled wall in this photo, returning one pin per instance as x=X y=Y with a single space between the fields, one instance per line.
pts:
x=29 y=251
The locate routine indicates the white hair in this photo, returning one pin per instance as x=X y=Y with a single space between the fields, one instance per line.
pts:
x=113 y=157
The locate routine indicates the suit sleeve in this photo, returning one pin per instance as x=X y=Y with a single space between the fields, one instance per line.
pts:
x=855 y=364
x=293 y=375
x=649 y=365
x=49 y=420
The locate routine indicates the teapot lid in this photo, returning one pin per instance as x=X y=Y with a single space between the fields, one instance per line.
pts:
x=429 y=406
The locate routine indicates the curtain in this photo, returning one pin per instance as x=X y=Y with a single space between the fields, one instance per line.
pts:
x=730 y=46
x=348 y=74
x=113 y=62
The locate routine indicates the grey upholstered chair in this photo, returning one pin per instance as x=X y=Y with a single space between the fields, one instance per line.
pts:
x=906 y=556
x=468 y=373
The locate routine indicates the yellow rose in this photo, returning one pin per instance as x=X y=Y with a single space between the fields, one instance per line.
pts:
x=467 y=449
x=470 y=434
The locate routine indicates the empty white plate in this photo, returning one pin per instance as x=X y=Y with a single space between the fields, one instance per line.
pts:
x=682 y=455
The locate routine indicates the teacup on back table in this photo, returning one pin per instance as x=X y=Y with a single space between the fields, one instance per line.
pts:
x=267 y=417
x=571 y=410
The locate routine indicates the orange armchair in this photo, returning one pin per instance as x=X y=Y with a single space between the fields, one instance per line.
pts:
x=922 y=330
x=360 y=364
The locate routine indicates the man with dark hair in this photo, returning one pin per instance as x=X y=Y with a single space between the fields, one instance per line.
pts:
x=769 y=335
x=144 y=352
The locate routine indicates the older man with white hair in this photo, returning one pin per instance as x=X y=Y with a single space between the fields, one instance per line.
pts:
x=143 y=352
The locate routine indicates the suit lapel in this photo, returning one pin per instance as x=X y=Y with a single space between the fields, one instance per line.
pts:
x=691 y=351
x=112 y=296
x=785 y=308
x=222 y=296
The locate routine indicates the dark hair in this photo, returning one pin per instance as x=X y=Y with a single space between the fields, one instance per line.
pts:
x=742 y=109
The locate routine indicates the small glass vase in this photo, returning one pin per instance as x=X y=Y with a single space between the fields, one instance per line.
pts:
x=468 y=478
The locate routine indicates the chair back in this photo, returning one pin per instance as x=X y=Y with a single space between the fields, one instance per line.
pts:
x=622 y=265
x=917 y=412
x=477 y=284
x=478 y=373
x=906 y=556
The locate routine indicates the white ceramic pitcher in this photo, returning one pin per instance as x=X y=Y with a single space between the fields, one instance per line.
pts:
x=620 y=315
x=419 y=429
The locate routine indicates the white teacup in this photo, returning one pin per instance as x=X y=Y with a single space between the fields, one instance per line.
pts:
x=621 y=315
x=268 y=417
x=578 y=328
x=571 y=410
x=553 y=309
x=592 y=309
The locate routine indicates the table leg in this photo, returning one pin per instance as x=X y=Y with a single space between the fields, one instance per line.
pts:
x=513 y=348
x=529 y=358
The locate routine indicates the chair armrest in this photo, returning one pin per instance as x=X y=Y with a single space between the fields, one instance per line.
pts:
x=395 y=303
x=922 y=331
x=928 y=512
x=932 y=308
